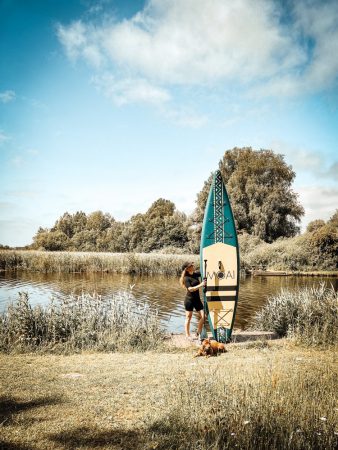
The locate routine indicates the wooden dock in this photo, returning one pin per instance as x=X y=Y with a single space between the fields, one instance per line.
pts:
x=180 y=341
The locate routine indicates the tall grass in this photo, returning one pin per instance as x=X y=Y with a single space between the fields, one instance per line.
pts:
x=119 y=323
x=309 y=315
x=260 y=404
x=81 y=262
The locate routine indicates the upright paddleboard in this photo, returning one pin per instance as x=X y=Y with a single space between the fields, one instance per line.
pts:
x=219 y=255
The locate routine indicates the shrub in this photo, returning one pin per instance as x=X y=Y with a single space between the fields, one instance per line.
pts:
x=309 y=315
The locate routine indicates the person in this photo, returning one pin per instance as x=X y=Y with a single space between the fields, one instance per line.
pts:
x=189 y=280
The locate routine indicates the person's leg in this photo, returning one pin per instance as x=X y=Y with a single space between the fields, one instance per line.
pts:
x=188 y=316
x=200 y=321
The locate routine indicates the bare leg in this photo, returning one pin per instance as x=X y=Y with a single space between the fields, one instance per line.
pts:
x=200 y=321
x=188 y=316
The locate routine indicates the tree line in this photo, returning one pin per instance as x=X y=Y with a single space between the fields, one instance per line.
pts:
x=259 y=184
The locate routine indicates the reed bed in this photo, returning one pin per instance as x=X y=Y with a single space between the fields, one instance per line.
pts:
x=78 y=323
x=309 y=315
x=82 y=262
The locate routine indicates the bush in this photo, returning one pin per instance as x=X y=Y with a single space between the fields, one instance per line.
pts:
x=309 y=315
x=119 y=323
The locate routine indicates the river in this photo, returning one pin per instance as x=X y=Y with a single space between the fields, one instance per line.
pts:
x=159 y=291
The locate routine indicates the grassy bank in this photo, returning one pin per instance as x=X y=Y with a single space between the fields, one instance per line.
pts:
x=82 y=262
x=271 y=396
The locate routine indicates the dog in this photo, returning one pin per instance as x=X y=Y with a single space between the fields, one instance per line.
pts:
x=210 y=347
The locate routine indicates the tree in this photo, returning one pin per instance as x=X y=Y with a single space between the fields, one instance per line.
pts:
x=51 y=240
x=334 y=219
x=98 y=221
x=161 y=208
x=315 y=225
x=259 y=187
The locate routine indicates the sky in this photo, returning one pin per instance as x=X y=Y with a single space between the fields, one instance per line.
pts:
x=111 y=104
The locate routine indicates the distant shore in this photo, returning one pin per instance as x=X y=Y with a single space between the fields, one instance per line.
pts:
x=126 y=263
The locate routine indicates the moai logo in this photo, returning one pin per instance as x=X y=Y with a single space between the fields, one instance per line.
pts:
x=221 y=275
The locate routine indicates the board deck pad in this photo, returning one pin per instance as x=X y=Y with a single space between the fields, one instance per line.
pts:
x=219 y=255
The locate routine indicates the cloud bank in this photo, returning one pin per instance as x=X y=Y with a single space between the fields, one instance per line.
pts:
x=261 y=45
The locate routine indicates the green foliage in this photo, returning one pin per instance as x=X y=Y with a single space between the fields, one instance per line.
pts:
x=161 y=226
x=308 y=315
x=259 y=187
x=334 y=219
x=324 y=242
x=51 y=240
x=315 y=225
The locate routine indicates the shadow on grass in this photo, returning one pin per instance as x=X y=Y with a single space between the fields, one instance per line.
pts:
x=10 y=407
x=10 y=446
x=94 y=438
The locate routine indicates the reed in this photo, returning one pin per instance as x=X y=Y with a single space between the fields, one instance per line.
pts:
x=309 y=315
x=73 y=324
x=84 y=262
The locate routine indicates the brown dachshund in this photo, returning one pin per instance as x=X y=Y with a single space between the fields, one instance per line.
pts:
x=210 y=347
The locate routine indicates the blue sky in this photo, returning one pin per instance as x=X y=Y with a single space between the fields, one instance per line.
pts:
x=112 y=104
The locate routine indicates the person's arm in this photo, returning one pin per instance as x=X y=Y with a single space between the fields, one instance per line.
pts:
x=192 y=288
x=196 y=288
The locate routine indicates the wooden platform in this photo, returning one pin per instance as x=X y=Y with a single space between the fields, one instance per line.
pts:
x=179 y=340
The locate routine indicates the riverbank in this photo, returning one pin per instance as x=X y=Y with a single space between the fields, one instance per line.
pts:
x=257 y=395
x=128 y=263
x=88 y=262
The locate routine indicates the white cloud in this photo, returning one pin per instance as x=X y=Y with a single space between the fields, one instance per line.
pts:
x=130 y=90
x=17 y=161
x=3 y=137
x=7 y=96
x=32 y=151
x=210 y=41
x=81 y=40
x=305 y=160
x=319 y=202
x=185 y=117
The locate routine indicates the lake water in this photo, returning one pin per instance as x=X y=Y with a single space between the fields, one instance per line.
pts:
x=159 y=291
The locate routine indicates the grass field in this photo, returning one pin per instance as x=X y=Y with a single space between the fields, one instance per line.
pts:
x=256 y=396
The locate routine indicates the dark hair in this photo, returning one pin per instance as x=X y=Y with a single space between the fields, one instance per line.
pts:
x=186 y=265
x=184 y=268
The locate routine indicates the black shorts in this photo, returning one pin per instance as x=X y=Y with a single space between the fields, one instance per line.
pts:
x=193 y=303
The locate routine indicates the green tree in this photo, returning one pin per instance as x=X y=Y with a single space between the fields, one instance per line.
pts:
x=315 y=225
x=99 y=221
x=161 y=208
x=259 y=187
x=51 y=240
x=334 y=219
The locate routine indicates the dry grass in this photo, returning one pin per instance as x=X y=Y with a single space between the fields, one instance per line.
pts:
x=267 y=397
x=81 y=262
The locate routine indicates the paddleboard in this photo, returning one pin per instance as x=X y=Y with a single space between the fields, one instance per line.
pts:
x=219 y=254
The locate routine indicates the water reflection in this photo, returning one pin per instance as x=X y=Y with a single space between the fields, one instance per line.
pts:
x=161 y=292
